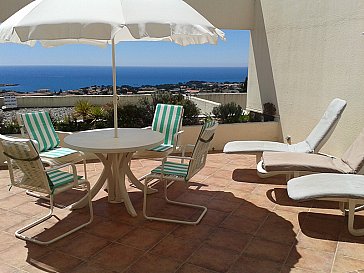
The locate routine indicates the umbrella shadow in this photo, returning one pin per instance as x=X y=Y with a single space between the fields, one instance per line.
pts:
x=233 y=226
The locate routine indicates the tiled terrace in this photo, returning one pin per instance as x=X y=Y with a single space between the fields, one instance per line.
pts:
x=251 y=226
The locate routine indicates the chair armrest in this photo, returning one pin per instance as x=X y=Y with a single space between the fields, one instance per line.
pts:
x=175 y=139
x=180 y=157
x=190 y=145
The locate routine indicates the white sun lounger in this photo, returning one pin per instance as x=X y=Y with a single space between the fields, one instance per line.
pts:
x=352 y=161
x=344 y=188
x=312 y=144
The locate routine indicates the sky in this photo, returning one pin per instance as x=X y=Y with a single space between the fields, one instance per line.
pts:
x=230 y=53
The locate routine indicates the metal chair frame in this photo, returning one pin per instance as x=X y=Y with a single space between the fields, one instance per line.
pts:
x=32 y=163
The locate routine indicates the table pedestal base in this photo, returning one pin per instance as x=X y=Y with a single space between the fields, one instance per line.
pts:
x=116 y=166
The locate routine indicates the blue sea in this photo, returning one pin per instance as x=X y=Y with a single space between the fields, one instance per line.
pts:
x=33 y=78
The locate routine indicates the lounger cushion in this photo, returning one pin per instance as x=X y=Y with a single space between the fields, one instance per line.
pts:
x=354 y=156
x=261 y=146
x=172 y=168
x=40 y=128
x=167 y=120
x=312 y=143
x=58 y=152
x=326 y=186
x=303 y=162
x=323 y=130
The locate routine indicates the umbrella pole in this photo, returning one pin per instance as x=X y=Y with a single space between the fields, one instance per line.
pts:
x=115 y=95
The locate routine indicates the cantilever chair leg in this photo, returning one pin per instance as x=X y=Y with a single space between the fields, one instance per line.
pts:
x=351 y=217
x=204 y=209
x=37 y=195
x=19 y=232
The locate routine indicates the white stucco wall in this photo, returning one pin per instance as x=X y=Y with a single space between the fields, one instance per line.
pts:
x=269 y=131
x=303 y=55
x=224 y=98
x=206 y=106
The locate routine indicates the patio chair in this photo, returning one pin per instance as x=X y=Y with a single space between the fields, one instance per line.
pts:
x=27 y=171
x=287 y=163
x=168 y=121
x=312 y=144
x=173 y=171
x=347 y=189
x=38 y=126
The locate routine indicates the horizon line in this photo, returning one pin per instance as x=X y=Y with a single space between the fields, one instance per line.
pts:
x=136 y=66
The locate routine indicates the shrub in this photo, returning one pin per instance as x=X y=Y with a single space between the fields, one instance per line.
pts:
x=228 y=113
x=83 y=109
x=129 y=115
x=9 y=127
x=167 y=98
x=98 y=116
x=71 y=124
x=133 y=116
x=269 y=111
x=191 y=111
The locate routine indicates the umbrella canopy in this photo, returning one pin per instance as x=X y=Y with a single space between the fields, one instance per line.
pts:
x=100 y=22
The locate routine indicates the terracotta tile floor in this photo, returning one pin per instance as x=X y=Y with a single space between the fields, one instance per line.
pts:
x=251 y=226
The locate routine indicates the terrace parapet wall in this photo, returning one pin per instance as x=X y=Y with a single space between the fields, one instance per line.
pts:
x=270 y=131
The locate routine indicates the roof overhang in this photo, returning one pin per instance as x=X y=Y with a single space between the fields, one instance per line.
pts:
x=231 y=14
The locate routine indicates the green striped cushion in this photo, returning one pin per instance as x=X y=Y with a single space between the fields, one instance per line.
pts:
x=209 y=124
x=162 y=148
x=167 y=119
x=58 y=152
x=59 y=178
x=172 y=168
x=39 y=127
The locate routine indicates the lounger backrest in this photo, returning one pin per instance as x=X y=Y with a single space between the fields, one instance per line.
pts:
x=167 y=120
x=38 y=126
x=323 y=130
x=354 y=156
x=201 y=148
x=25 y=167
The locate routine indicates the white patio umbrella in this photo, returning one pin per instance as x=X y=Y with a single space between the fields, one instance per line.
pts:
x=102 y=22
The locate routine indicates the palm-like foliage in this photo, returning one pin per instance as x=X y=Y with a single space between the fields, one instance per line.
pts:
x=83 y=109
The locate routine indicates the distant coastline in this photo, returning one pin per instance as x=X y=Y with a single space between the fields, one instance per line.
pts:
x=8 y=84
x=191 y=87
x=55 y=79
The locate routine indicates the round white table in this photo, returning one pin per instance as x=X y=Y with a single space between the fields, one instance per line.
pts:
x=115 y=154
